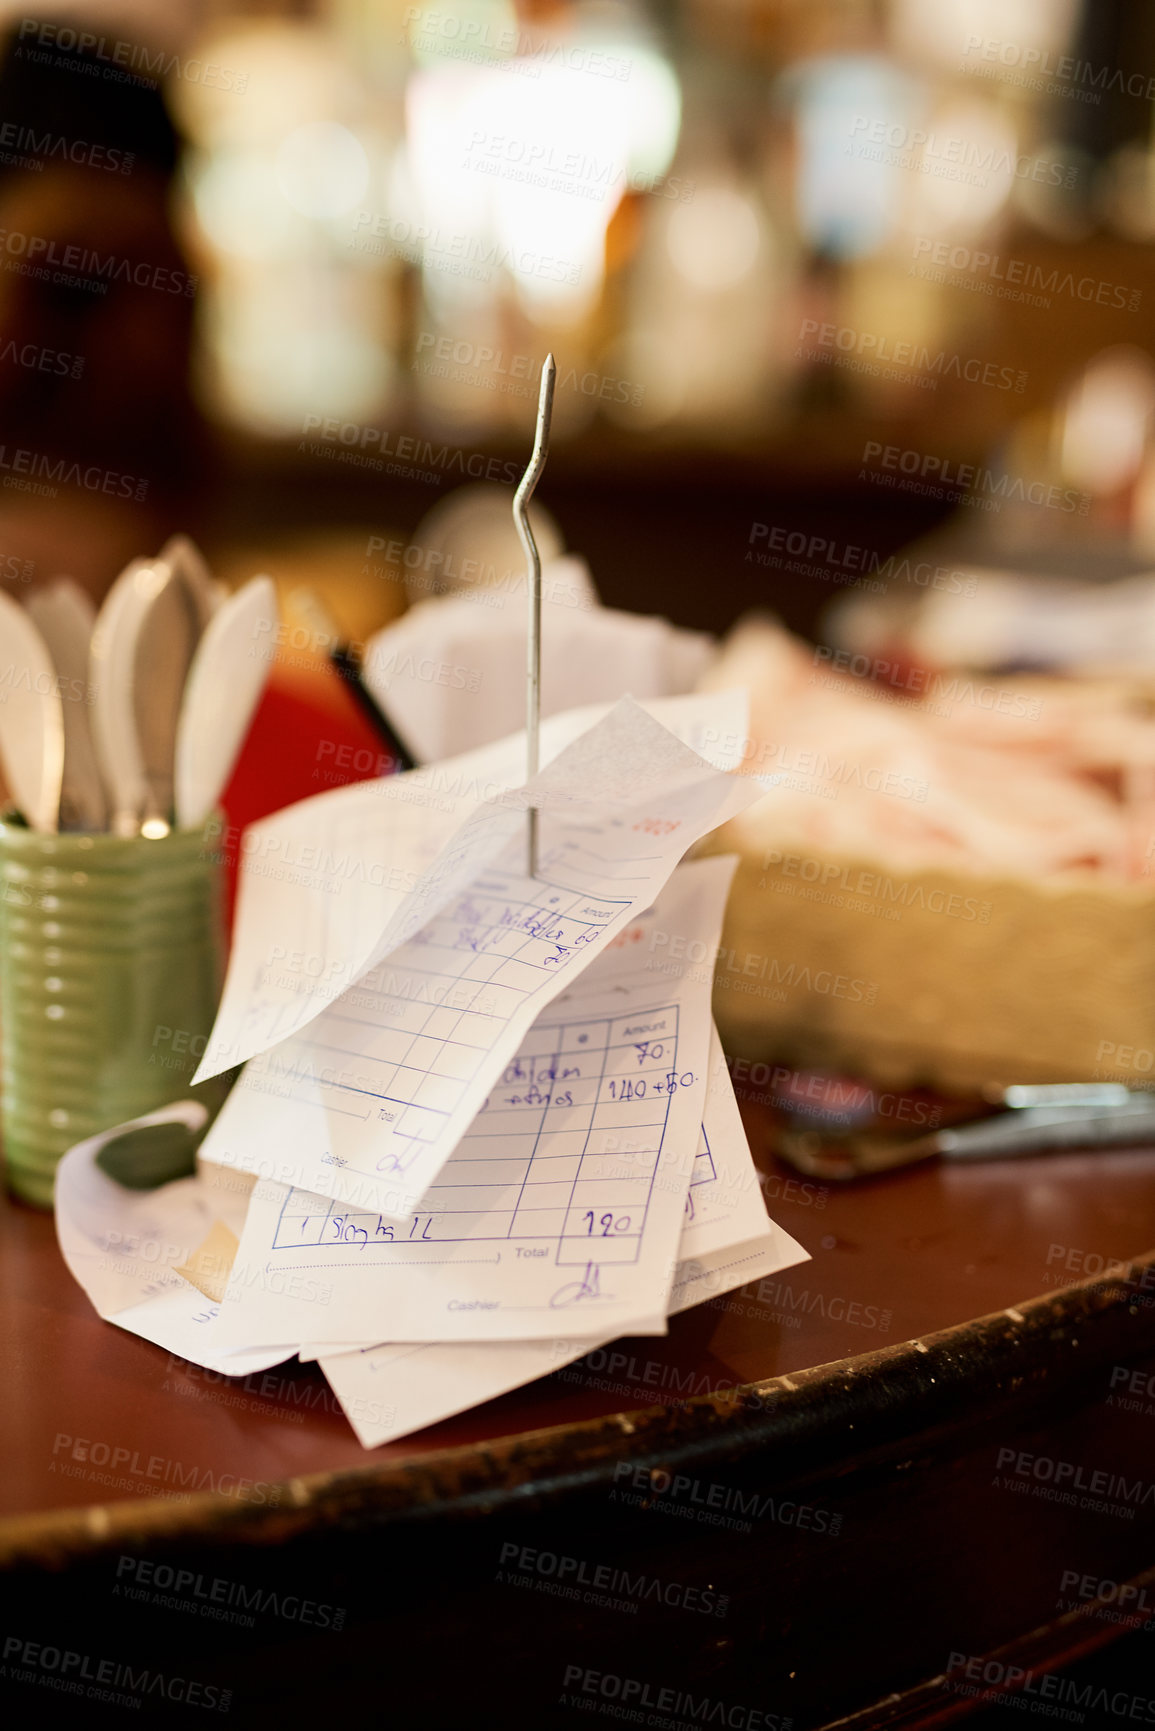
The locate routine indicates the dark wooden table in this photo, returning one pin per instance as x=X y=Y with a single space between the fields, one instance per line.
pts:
x=826 y=1495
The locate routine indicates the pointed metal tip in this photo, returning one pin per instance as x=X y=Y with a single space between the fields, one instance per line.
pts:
x=545 y=405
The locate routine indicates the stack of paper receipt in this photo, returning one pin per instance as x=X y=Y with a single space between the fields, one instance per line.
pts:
x=485 y=1124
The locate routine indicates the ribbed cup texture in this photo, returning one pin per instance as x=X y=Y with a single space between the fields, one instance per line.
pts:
x=110 y=966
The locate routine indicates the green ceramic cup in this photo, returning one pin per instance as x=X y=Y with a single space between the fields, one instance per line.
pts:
x=110 y=970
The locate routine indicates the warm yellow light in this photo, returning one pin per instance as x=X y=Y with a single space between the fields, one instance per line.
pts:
x=713 y=241
x=961 y=172
x=1108 y=419
x=322 y=169
x=239 y=207
x=988 y=39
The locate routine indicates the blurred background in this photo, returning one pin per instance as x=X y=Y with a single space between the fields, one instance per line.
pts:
x=855 y=270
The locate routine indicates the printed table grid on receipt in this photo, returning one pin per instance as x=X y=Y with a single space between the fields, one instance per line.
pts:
x=564 y=1150
x=422 y=1064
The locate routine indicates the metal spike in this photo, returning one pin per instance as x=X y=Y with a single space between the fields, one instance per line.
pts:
x=533 y=586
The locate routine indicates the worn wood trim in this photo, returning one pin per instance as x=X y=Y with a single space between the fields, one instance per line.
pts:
x=830 y=1420
x=1063 y=1642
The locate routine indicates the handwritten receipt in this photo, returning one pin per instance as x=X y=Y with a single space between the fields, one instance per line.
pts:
x=367 y=1104
x=561 y=1208
x=324 y=882
x=727 y=1241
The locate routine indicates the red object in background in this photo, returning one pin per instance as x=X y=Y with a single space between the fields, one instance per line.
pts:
x=309 y=734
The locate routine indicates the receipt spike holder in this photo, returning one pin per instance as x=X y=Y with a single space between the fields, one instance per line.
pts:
x=533 y=586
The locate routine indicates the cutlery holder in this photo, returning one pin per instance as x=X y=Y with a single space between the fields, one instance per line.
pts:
x=110 y=969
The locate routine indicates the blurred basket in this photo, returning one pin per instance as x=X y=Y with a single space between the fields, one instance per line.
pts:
x=933 y=977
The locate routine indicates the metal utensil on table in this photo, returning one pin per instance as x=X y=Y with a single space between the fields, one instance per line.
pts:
x=1086 y=1124
x=113 y=662
x=228 y=674
x=64 y=615
x=533 y=584
x=31 y=719
x=1081 y=1094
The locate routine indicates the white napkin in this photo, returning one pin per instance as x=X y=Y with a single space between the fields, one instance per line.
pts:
x=451 y=673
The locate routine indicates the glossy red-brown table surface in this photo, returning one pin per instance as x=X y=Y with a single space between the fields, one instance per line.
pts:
x=947 y=1313
x=893 y=1259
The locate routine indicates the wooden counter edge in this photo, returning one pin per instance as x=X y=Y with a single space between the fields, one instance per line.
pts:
x=830 y=1419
